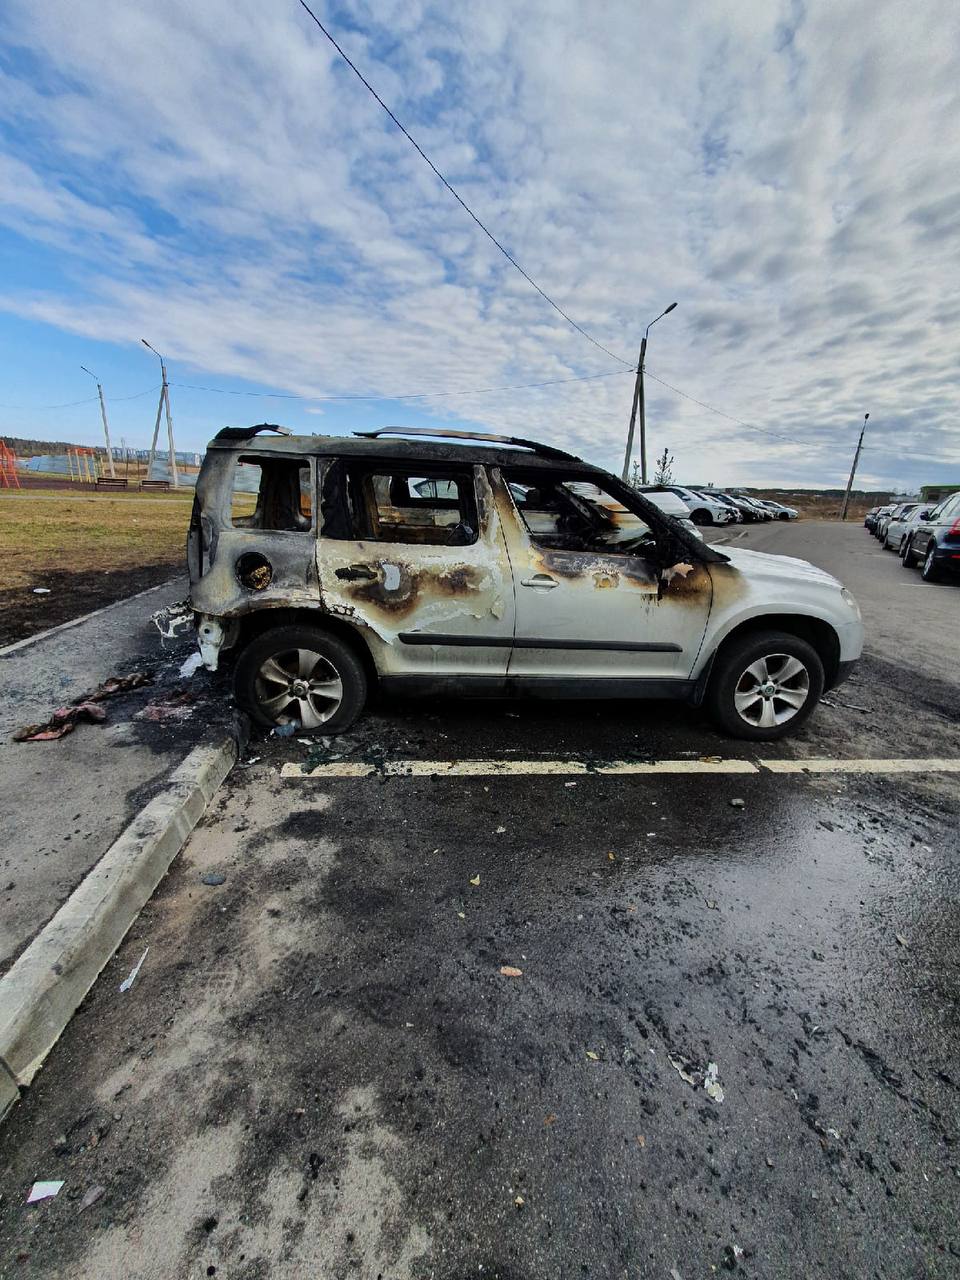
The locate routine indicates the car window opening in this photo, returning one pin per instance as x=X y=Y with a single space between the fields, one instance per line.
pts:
x=272 y=494
x=422 y=507
x=570 y=514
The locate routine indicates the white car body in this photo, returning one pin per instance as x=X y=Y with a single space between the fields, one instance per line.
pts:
x=715 y=512
x=668 y=502
x=779 y=510
x=504 y=595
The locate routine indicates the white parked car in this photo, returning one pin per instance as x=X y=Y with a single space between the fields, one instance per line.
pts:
x=668 y=501
x=778 y=510
x=703 y=510
x=422 y=565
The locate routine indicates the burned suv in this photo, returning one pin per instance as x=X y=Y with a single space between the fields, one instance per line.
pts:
x=482 y=564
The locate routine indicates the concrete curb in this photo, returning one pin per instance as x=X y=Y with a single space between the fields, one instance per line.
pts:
x=39 y=994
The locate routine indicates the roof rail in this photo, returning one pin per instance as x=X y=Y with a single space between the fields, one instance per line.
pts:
x=246 y=433
x=451 y=433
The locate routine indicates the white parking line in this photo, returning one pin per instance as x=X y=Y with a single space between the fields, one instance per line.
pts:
x=577 y=768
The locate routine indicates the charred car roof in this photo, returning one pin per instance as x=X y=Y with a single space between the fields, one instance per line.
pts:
x=247 y=440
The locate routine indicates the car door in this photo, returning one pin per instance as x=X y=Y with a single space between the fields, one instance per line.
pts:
x=943 y=518
x=413 y=554
x=595 y=598
x=925 y=530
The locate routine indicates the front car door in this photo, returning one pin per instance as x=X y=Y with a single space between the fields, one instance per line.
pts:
x=606 y=590
x=413 y=554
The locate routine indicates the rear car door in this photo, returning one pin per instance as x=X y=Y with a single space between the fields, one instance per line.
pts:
x=413 y=553
x=925 y=530
x=603 y=588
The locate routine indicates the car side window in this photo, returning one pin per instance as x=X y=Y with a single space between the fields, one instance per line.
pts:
x=949 y=508
x=272 y=493
x=382 y=503
x=567 y=513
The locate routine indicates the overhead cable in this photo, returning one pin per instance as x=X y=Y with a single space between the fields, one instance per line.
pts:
x=70 y=404
x=456 y=194
x=720 y=413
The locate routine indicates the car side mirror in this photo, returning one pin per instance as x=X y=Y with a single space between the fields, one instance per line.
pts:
x=925 y=515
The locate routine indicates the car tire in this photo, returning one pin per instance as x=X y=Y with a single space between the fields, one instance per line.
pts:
x=931 y=572
x=909 y=556
x=701 y=516
x=747 y=666
x=330 y=674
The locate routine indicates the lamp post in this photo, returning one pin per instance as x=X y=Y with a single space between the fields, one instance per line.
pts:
x=853 y=469
x=103 y=415
x=638 y=402
x=164 y=404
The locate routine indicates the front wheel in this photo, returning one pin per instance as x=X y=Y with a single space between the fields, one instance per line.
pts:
x=301 y=676
x=701 y=516
x=765 y=685
x=909 y=556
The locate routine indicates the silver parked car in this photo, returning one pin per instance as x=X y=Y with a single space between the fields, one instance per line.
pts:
x=899 y=524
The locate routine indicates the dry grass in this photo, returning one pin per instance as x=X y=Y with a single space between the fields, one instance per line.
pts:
x=66 y=531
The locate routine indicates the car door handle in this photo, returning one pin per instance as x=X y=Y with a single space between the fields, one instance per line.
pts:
x=355 y=572
x=542 y=581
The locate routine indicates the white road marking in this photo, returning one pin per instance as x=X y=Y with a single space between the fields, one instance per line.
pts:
x=561 y=768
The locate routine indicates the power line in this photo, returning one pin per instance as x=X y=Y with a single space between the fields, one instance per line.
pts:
x=456 y=195
x=415 y=395
x=719 y=412
x=71 y=404
x=37 y=408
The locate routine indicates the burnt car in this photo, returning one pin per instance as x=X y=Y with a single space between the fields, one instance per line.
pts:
x=478 y=564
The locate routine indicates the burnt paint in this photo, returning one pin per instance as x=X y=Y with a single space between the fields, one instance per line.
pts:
x=415 y=585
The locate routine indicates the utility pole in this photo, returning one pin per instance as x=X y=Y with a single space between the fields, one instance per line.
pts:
x=853 y=469
x=639 y=403
x=103 y=415
x=163 y=405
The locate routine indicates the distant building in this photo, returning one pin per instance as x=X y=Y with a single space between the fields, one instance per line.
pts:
x=937 y=492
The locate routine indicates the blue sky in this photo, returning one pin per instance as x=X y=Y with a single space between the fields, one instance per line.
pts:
x=212 y=178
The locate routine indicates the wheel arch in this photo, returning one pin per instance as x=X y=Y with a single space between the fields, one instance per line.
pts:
x=259 y=621
x=817 y=632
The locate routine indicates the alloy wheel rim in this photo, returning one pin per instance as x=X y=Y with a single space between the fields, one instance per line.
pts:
x=772 y=690
x=299 y=684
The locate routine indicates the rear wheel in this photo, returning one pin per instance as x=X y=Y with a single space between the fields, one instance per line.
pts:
x=765 y=685
x=301 y=676
x=931 y=570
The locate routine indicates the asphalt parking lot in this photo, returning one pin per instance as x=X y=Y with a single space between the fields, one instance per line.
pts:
x=322 y=1069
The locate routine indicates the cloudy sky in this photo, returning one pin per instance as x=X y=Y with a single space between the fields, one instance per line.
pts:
x=213 y=178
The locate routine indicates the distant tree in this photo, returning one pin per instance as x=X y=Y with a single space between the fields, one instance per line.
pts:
x=635 y=479
x=664 y=472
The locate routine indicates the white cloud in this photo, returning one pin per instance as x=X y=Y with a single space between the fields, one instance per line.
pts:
x=789 y=173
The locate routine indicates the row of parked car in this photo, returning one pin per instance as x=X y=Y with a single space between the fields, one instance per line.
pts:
x=711 y=506
x=921 y=534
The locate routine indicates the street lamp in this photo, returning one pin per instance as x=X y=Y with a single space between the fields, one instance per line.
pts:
x=853 y=469
x=638 y=400
x=103 y=415
x=164 y=404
